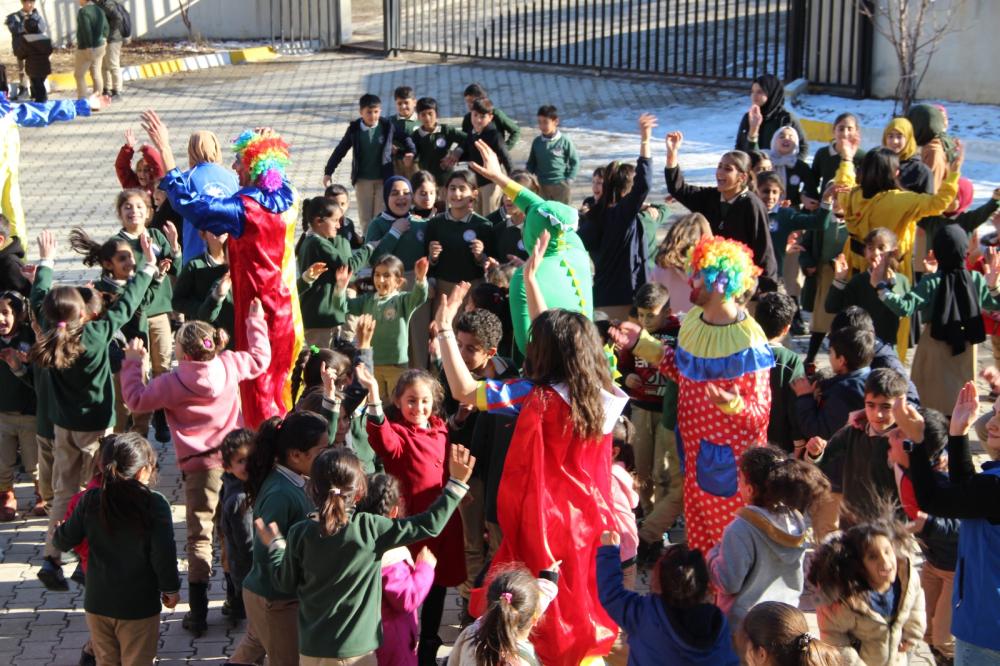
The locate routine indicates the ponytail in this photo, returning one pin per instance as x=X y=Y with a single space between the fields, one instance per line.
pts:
x=61 y=344
x=94 y=253
x=336 y=483
x=781 y=483
x=513 y=597
x=300 y=431
x=125 y=501
x=782 y=632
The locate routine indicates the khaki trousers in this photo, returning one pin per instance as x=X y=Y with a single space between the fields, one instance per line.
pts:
x=669 y=498
x=45 y=468
x=161 y=342
x=201 y=501
x=368 y=196
x=88 y=60
x=937 y=584
x=273 y=629
x=17 y=431
x=557 y=191
x=111 y=66
x=72 y=469
x=124 y=642
x=140 y=422
x=364 y=660
x=650 y=464
x=488 y=199
x=387 y=377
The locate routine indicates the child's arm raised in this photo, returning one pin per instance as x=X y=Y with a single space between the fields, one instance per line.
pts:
x=418 y=295
x=251 y=363
x=42 y=283
x=429 y=524
x=285 y=569
x=383 y=439
x=533 y=291
x=624 y=607
x=463 y=384
x=341 y=304
x=406 y=590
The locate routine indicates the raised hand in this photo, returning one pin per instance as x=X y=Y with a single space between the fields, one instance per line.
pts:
x=366 y=379
x=427 y=557
x=816 y=446
x=930 y=263
x=420 y=267
x=329 y=377
x=156 y=129
x=625 y=335
x=364 y=331
x=224 y=284
x=135 y=350
x=434 y=251
x=956 y=164
x=170 y=231
x=841 y=269
x=908 y=420
x=462 y=462
x=314 y=271
x=147 y=249
x=490 y=168
x=266 y=533
x=537 y=255
x=449 y=306
x=966 y=410
x=130 y=138
x=609 y=538
x=256 y=310
x=674 y=141
x=647 y=122
x=343 y=276
x=880 y=265
x=47 y=245
x=754 y=120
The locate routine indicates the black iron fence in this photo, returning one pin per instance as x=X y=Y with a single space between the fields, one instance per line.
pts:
x=705 y=39
x=305 y=24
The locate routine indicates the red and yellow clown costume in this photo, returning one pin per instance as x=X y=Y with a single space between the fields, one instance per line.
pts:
x=261 y=220
x=735 y=358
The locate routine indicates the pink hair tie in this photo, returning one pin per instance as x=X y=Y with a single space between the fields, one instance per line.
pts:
x=335 y=491
x=61 y=324
x=507 y=596
x=207 y=343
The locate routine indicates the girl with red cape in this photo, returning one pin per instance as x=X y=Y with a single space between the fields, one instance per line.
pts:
x=555 y=493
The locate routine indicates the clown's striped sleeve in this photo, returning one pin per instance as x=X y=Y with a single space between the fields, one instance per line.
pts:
x=503 y=397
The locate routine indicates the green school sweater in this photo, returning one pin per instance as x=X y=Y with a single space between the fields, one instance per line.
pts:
x=127 y=570
x=403 y=127
x=17 y=390
x=969 y=220
x=651 y=218
x=553 y=159
x=369 y=154
x=825 y=165
x=432 y=147
x=407 y=248
x=138 y=325
x=783 y=221
x=283 y=502
x=91 y=27
x=508 y=239
x=391 y=341
x=921 y=297
x=161 y=293
x=316 y=298
x=82 y=398
x=338 y=579
x=859 y=291
x=195 y=289
x=456 y=263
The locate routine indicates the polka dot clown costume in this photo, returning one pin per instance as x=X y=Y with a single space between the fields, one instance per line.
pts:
x=261 y=220
x=564 y=274
x=733 y=358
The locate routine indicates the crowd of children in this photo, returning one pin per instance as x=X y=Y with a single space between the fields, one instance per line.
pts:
x=446 y=397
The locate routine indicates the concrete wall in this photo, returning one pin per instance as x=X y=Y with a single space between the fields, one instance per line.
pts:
x=212 y=19
x=964 y=67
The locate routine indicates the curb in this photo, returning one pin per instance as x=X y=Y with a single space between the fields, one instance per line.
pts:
x=152 y=70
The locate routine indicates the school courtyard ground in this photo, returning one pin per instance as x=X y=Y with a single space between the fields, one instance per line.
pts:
x=68 y=179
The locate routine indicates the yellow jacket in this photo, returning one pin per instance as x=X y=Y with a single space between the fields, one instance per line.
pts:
x=897 y=210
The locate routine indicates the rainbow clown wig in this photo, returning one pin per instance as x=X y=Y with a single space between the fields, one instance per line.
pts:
x=265 y=156
x=725 y=265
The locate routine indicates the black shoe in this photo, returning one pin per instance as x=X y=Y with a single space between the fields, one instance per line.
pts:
x=52 y=576
x=427 y=650
x=106 y=92
x=196 y=620
x=161 y=431
x=87 y=659
x=115 y=94
x=78 y=576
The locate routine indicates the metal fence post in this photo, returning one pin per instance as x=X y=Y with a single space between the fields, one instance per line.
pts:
x=795 y=53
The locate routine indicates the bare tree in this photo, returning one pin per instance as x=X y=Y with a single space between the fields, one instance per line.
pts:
x=193 y=35
x=915 y=28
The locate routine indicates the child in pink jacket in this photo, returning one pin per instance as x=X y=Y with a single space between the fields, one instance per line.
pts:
x=405 y=584
x=201 y=402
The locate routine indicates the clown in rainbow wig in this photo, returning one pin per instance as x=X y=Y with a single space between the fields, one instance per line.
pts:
x=260 y=219
x=722 y=367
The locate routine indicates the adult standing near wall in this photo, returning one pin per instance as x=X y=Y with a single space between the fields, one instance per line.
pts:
x=766 y=116
x=17 y=23
x=207 y=176
x=91 y=43
x=111 y=63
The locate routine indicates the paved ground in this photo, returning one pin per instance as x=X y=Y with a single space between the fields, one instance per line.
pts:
x=68 y=180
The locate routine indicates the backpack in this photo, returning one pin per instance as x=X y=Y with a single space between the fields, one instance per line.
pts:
x=118 y=15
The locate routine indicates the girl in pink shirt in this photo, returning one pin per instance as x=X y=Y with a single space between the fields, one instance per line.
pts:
x=202 y=405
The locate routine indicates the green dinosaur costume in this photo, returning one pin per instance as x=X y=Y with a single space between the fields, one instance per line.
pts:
x=564 y=274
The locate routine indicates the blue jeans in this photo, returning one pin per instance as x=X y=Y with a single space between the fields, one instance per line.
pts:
x=967 y=654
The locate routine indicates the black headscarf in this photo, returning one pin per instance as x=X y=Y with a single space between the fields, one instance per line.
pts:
x=775 y=91
x=956 y=317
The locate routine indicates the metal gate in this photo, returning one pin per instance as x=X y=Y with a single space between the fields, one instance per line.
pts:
x=305 y=24
x=700 y=39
